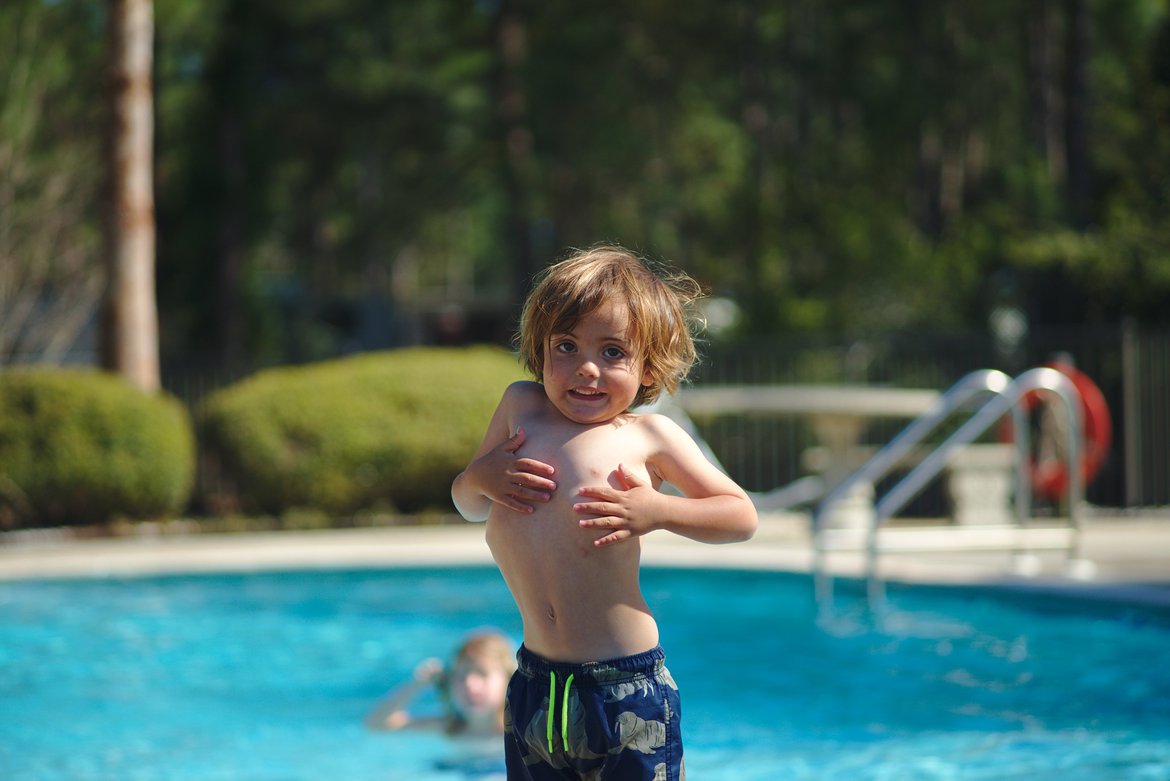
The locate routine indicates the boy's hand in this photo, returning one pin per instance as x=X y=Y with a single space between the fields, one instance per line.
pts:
x=513 y=481
x=628 y=510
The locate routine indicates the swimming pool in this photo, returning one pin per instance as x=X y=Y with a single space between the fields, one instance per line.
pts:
x=266 y=677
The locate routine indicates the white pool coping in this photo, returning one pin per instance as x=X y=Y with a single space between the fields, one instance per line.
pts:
x=1130 y=555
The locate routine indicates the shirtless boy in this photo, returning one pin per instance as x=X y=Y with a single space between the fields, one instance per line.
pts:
x=567 y=479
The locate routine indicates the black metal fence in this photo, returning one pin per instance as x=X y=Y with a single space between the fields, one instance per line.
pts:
x=1130 y=366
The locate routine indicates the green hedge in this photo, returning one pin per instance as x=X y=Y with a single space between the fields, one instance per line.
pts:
x=380 y=431
x=81 y=446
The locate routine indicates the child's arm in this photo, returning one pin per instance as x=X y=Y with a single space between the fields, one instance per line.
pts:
x=496 y=473
x=391 y=712
x=713 y=507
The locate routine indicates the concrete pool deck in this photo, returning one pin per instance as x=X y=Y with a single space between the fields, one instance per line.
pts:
x=1129 y=554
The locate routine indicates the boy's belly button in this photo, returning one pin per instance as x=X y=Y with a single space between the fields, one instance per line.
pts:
x=552 y=613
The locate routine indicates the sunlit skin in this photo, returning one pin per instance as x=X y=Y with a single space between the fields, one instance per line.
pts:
x=592 y=372
x=567 y=480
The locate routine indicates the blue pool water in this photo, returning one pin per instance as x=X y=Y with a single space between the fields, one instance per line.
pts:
x=266 y=677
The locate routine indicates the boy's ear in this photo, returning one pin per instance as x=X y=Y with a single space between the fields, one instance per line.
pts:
x=647 y=378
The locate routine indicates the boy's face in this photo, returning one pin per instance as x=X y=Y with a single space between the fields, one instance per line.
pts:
x=593 y=372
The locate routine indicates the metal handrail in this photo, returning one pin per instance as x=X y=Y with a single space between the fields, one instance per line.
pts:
x=1006 y=397
x=892 y=454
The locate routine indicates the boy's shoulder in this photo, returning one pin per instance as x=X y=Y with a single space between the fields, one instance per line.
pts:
x=524 y=389
x=523 y=394
x=656 y=424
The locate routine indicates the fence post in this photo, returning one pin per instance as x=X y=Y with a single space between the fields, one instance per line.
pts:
x=1131 y=407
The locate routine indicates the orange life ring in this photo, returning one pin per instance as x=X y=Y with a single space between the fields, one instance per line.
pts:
x=1049 y=475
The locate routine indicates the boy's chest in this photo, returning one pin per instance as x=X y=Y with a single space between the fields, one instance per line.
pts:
x=586 y=456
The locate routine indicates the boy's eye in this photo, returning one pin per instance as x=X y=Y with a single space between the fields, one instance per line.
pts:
x=565 y=347
x=614 y=353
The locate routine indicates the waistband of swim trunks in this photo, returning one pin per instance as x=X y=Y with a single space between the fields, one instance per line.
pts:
x=647 y=663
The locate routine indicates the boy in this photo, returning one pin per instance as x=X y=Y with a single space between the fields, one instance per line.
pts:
x=566 y=479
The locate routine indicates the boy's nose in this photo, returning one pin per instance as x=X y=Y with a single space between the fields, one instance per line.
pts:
x=587 y=369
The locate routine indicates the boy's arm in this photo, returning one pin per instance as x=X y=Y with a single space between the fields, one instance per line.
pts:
x=496 y=473
x=713 y=507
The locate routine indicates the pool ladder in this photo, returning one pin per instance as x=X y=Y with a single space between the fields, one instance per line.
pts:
x=992 y=394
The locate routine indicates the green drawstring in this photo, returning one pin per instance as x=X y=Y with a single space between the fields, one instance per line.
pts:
x=552 y=700
x=565 y=713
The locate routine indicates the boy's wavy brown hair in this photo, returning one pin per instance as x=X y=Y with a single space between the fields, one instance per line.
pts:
x=662 y=305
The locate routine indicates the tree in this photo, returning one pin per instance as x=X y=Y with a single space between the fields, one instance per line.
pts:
x=131 y=318
x=50 y=281
x=832 y=165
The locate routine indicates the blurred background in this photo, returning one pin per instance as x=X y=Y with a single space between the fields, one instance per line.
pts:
x=874 y=192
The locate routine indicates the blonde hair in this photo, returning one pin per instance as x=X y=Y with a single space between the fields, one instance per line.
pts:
x=661 y=304
x=489 y=645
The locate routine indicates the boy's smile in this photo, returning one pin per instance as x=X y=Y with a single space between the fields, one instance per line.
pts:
x=592 y=373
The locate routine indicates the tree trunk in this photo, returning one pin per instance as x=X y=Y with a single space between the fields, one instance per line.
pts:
x=754 y=113
x=1077 y=129
x=515 y=137
x=130 y=340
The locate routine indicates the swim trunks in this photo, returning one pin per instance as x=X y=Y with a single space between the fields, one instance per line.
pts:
x=615 y=719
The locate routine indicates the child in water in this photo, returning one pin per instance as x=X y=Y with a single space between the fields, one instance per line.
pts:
x=472 y=690
x=566 y=478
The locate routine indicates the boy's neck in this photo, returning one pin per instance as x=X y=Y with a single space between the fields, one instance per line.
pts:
x=617 y=420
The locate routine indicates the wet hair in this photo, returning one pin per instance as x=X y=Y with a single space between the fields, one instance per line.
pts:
x=661 y=304
x=489 y=645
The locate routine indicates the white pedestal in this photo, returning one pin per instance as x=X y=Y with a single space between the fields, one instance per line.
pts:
x=980 y=484
x=854 y=511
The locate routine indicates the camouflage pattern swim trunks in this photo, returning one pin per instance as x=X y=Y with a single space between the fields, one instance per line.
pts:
x=615 y=719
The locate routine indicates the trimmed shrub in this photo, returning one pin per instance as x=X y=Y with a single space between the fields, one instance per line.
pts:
x=82 y=446
x=379 y=431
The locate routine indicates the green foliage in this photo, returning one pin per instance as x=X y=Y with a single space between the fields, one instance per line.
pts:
x=50 y=279
x=383 y=430
x=831 y=166
x=339 y=125
x=85 y=447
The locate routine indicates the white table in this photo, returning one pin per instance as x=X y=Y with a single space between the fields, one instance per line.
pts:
x=837 y=414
